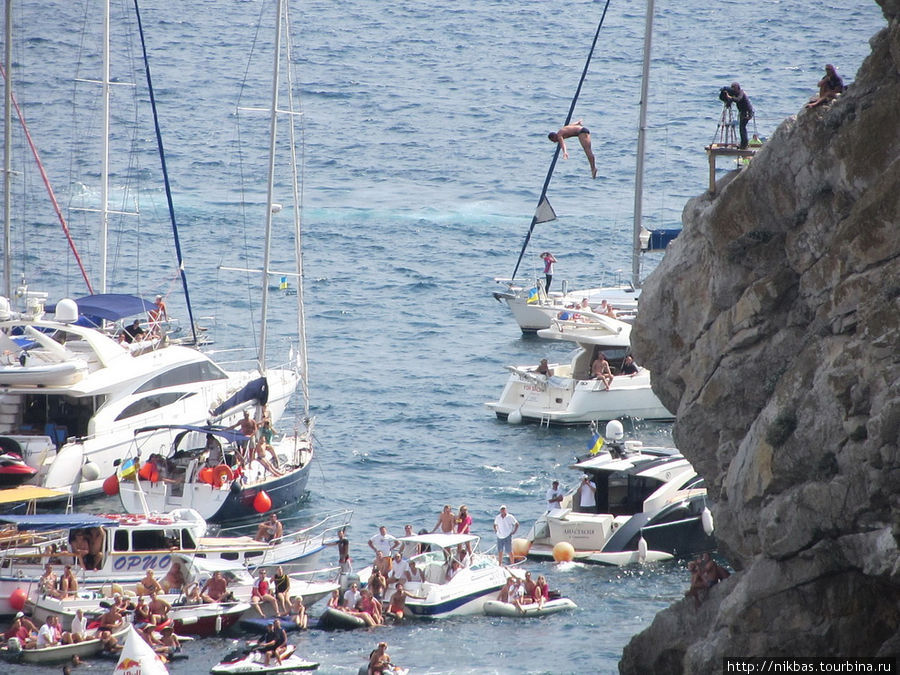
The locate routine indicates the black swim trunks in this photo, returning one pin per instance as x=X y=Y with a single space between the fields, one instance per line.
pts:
x=584 y=130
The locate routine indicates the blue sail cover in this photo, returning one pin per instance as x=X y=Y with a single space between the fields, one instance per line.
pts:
x=93 y=309
x=659 y=239
x=256 y=390
x=57 y=521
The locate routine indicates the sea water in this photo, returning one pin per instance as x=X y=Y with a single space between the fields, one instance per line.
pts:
x=425 y=151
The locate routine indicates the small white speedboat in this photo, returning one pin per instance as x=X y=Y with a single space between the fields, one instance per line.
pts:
x=244 y=661
x=498 y=608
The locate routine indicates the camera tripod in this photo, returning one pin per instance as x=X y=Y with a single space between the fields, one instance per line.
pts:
x=726 y=132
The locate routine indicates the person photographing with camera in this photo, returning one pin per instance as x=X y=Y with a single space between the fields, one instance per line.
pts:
x=734 y=94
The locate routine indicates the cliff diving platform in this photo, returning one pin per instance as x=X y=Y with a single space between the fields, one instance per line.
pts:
x=716 y=150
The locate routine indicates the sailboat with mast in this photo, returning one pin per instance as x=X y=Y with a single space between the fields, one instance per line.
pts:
x=574 y=393
x=531 y=305
x=72 y=391
x=225 y=476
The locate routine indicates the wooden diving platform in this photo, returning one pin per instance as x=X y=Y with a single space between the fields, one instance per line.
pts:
x=716 y=150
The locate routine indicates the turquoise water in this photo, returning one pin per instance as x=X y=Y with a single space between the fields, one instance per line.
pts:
x=425 y=131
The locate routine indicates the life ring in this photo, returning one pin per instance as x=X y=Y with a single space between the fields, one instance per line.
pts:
x=222 y=474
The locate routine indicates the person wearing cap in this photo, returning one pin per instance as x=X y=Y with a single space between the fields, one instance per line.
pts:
x=505 y=525
x=738 y=96
x=554 y=496
x=23 y=629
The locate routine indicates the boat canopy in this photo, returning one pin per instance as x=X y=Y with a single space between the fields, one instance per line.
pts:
x=439 y=539
x=109 y=306
x=57 y=521
x=27 y=493
x=230 y=435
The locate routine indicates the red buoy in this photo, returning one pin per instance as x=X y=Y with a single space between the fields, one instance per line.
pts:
x=262 y=502
x=17 y=599
x=111 y=485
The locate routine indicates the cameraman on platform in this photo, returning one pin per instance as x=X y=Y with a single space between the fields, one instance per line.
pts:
x=734 y=94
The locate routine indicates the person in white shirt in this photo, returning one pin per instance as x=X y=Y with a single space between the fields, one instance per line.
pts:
x=352 y=596
x=554 y=496
x=587 y=492
x=79 y=626
x=505 y=525
x=383 y=542
x=399 y=569
x=46 y=635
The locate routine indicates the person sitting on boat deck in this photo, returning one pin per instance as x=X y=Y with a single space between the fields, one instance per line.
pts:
x=517 y=595
x=352 y=595
x=174 y=580
x=544 y=368
x=414 y=573
x=215 y=588
x=68 y=585
x=629 y=367
x=148 y=584
x=377 y=583
x=259 y=452
x=383 y=541
x=282 y=584
x=830 y=87
x=134 y=332
x=213 y=450
x=505 y=526
x=369 y=608
x=297 y=612
x=157 y=315
x=47 y=636
x=270 y=529
x=528 y=586
x=379 y=660
x=192 y=596
x=399 y=568
x=334 y=600
x=170 y=640
x=503 y=594
x=453 y=569
x=463 y=556
x=142 y=612
x=600 y=370
x=541 y=591
x=397 y=606
x=446 y=520
x=262 y=592
x=79 y=626
x=49 y=582
x=554 y=496
x=584 y=137
x=383 y=564
x=159 y=609
x=587 y=495
x=23 y=629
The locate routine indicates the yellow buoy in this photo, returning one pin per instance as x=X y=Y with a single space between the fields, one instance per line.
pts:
x=520 y=548
x=563 y=552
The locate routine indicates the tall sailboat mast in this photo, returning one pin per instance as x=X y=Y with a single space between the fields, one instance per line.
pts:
x=104 y=170
x=639 y=165
x=7 y=155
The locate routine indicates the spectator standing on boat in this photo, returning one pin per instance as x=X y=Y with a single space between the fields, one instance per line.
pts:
x=549 y=260
x=382 y=564
x=343 y=546
x=399 y=568
x=384 y=542
x=829 y=87
x=734 y=94
x=408 y=548
x=270 y=529
x=214 y=454
x=584 y=137
x=377 y=583
x=215 y=588
x=248 y=427
x=446 y=520
x=554 y=496
x=587 y=495
x=157 y=315
x=505 y=526
x=282 y=583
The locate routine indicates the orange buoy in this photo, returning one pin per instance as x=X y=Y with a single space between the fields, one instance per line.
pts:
x=563 y=552
x=520 y=548
x=262 y=502
x=17 y=599
x=111 y=485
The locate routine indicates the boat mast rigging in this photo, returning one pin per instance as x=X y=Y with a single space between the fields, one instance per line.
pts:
x=639 y=165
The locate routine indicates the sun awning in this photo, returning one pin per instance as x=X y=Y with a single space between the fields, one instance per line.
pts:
x=57 y=521
x=27 y=493
x=439 y=539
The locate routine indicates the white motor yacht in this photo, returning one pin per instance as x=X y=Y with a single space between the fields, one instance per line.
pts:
x=569 y=395
x=632 y=504
x=464 y=592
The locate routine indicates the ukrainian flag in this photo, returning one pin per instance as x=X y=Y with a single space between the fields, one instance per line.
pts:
x=532 y=296
x=595 y=444
x=128 y=469
x=284 y=284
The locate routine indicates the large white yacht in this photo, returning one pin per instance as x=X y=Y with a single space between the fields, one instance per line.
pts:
x=569 y=395
x=72 y=395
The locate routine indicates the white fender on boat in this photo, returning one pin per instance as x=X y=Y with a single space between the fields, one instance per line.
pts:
x=90 y=471
x=515 y=417
x=65 y=467
x=642 y=549
x=707 y=519
x=218 y=624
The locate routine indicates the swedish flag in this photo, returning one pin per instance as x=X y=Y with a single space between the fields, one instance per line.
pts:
x=595 y=444
x=532 y=296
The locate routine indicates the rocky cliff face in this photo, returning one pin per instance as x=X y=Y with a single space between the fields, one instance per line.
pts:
x=772 y=326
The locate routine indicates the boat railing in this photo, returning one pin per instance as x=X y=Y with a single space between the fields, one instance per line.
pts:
x=326 y=523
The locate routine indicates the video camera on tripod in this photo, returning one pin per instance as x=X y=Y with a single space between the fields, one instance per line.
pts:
x=726 y=94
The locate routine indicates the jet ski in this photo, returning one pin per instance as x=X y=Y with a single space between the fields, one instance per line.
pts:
x=250 y=661
x=13 y=470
